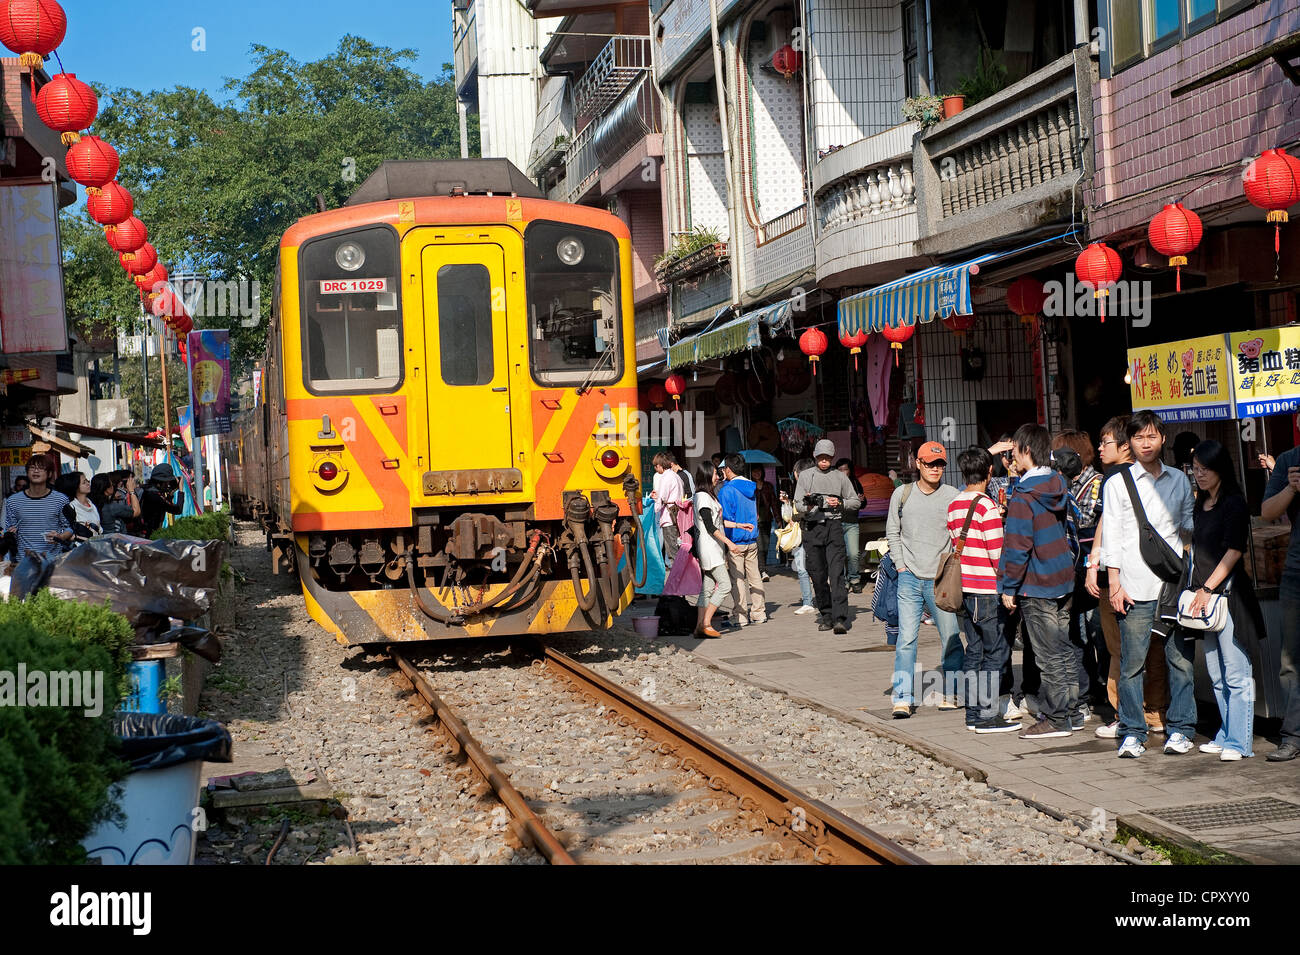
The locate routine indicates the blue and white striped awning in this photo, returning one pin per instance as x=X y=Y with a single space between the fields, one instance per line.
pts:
x=938 y=292
x=734 y=336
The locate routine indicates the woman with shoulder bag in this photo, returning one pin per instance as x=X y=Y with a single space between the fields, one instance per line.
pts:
x=1221 y=525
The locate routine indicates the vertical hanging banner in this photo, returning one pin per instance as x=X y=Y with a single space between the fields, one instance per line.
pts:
x=31 y=278
x=209 y=369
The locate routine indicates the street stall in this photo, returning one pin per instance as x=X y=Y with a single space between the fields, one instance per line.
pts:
x=1215 y=386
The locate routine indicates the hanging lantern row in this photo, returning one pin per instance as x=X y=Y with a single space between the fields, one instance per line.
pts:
x=1175 y=231
x=896 y=335
x=33 y=29
x=1098 y=268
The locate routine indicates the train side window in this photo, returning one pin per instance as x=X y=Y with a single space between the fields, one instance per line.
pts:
x=465 y=324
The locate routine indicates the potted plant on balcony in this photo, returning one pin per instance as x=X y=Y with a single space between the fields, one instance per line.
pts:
x=690 y=252
x=953 y=104
x=990 y=77
x=926 y=110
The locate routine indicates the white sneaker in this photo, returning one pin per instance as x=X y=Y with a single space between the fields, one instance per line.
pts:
x=1014 y=713
x=1213 y=747
x=806 y=608
x=765 y=577
x=927 y=620
x=1131 y=748
x=1230 y=756
x=1178 y=744
x=1107 y=730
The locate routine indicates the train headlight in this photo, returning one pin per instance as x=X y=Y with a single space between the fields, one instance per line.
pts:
x=328 y=475
x=351 y=256
x=570 y=250
x=609 y=459
x=328 y=471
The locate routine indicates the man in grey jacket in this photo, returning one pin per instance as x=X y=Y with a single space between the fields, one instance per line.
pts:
x=917 y=528
x=822 y=496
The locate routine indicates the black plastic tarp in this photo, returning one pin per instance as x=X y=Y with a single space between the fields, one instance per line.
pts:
x=159 y=740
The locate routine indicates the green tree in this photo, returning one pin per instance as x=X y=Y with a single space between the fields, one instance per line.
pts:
x=218 y=182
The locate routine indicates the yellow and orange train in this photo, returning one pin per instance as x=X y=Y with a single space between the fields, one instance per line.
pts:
x=442 y=449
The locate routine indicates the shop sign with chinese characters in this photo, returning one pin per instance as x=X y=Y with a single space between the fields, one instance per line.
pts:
x=1186 y=380
x=1266 y=371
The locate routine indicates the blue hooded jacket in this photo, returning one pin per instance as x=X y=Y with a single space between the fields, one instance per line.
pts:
x=737 y=500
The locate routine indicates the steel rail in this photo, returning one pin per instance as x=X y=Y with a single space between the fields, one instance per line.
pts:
x=526 y=823
x=833 y=836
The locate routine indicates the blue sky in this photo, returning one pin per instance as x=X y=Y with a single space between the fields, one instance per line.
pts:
x=147 y=44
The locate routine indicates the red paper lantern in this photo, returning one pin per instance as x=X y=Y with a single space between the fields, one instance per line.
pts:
x=183 y=325
x=32 y=29
x=111 y=206
x=1272 y=182
x=675 y=385
x=66 y=105
x=813 y=344
x=1098 y=267
x=1026 y=297
x=127 y=236
x=152 y=282
x=657 y=395
x=787 y=61
x=92 y=162
x=960 y=324
x=166 y=305
x=854 y=344
x=896 y=336
x=1175 y=231
x=140 y=261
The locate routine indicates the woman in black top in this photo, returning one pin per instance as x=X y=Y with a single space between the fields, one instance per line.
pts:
x=1221 y=526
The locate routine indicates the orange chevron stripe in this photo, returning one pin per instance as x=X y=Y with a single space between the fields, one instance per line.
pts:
x=542 y=415
x=577 y=432
x=388 y=486
x=396 y=424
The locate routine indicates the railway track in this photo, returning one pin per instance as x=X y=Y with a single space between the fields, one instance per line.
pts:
x=779 y=821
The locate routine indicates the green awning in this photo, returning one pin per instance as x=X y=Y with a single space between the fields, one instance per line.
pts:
x=735 y=336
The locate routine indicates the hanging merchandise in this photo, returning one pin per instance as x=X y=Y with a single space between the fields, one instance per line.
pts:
x=854 y=344
x=1272 y=182
x=1175 y=231
x=813 y=344
x=32 y=29
x=896 y=335
x=67 y=105
x=878 y=372
x=675 y=385
x=1098 y=268
x=112 y=206
x=919 y=416
x=92 y=162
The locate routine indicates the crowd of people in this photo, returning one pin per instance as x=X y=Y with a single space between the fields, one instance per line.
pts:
x=48 y=512
x=1102 y=563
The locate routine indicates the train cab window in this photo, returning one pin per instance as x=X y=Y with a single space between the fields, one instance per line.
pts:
x=352 y=326
x=574 y=325
x=465 y=324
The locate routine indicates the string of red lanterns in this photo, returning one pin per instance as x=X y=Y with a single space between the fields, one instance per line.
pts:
x=34 y=29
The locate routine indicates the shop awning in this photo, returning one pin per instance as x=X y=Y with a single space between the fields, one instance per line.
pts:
x=734 y=336
x=938 y=292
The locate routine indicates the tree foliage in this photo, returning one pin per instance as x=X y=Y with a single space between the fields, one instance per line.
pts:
x=219 y=181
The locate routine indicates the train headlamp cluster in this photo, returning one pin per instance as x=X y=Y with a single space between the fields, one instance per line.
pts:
x=350 y=256
x=570 y=250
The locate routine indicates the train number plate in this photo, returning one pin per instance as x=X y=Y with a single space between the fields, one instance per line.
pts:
x=344 y=286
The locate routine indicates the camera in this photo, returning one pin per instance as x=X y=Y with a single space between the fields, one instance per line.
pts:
x=813 y=501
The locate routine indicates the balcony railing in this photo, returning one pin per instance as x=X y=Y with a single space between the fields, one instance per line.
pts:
x=796 y=218
x=881 y=190
x=604 y=140
x=622 y=60
x=1022 y=146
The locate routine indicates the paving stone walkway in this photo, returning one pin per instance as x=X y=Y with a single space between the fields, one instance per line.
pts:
x=1250 y=808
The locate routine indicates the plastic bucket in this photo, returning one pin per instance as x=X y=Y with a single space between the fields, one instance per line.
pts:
x=159 y=808
x=146 y=679
x=646 y=626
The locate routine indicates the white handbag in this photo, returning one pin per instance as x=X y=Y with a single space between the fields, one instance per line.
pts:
x=1213 y=620
x=789 y=537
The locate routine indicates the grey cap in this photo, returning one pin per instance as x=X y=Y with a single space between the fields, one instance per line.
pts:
x=162 y=472
x=824 y=446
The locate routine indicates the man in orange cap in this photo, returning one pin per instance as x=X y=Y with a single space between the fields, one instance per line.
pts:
x=917 y=529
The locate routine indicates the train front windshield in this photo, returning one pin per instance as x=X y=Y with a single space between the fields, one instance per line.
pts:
x=574 y=324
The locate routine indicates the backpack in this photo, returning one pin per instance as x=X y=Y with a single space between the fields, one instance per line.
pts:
x=1073 y=518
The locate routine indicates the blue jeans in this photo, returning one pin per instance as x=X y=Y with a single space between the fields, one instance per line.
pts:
x=1047 y=627
x=1234 y=689
x=27 y=574
x=852 y=553
x=1135 y=641
x=799 y=561
x=986 y=654
x=915 y=595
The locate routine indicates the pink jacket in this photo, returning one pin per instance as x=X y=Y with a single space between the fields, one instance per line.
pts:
x=685 y=578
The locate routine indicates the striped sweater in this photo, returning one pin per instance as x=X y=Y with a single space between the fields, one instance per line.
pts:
x=1036 y=559
x=979 y=556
